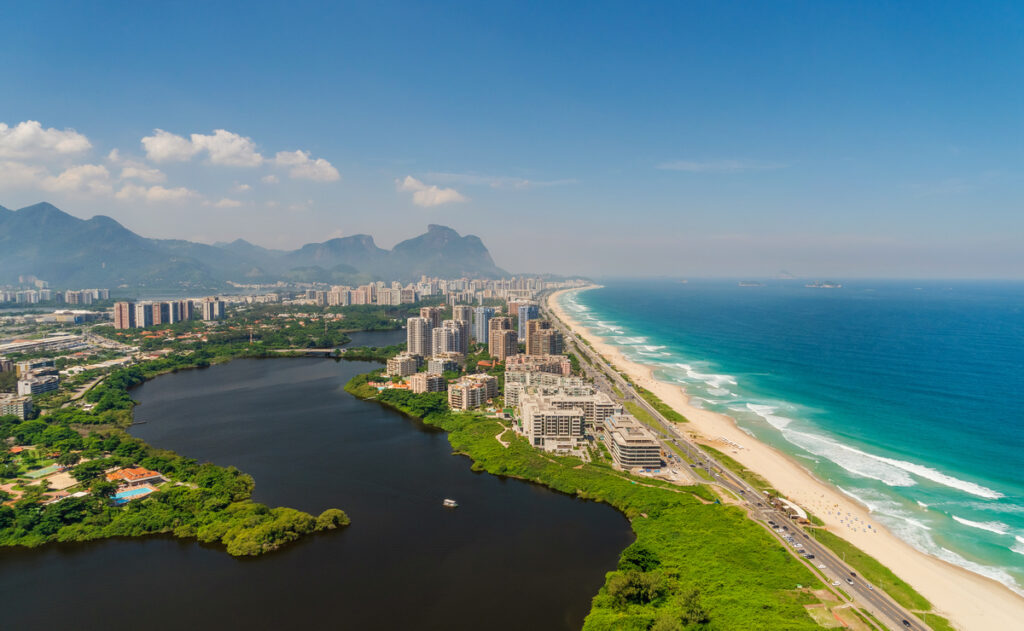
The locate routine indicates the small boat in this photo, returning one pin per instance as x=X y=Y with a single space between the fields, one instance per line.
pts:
x=450 y=503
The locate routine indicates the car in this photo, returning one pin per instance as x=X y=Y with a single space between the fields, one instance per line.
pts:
x=850 y=581
x=809 y=555
x=821 y=566
x=871 y=588
x=835 y=583
x=906 y=623
x=854 y=574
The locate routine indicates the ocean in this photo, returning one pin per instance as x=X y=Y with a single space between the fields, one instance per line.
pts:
x=906 y=395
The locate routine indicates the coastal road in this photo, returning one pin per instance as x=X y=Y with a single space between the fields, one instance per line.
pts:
x=836 y=570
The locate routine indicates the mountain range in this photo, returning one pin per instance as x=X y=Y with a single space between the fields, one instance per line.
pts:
x=48 y=243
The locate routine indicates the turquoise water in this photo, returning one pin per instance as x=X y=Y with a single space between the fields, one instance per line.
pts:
x=905 y=395
x=130 y=494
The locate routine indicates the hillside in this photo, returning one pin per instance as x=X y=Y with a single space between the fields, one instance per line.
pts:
x=48 y=243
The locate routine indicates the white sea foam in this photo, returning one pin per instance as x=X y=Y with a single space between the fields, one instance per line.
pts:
x=889 y=471
x=921 y=504
x=992 y=526
x=1019 y=546
x=767 y=412
x=853 y=460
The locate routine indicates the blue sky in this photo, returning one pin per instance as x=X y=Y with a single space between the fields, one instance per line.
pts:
x=694 y=139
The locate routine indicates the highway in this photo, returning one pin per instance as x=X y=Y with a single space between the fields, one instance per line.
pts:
x=835 y=569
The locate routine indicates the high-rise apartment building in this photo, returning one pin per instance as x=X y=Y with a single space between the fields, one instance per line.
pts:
x=447 y=338
x=432 y=315
x=124 y=315
x=418 y=339
x=502 y=344
x=481 y=323
x=213 y=308
x=462 y=312
x=143 y=314
x=527 y=312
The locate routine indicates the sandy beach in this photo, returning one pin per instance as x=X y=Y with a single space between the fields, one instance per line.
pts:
x=972 y=602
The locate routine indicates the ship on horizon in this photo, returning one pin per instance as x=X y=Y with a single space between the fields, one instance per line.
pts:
x=827 y=284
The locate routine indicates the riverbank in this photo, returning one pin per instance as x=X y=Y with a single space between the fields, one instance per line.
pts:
x=703 y=557
x=970 y=600
x=206 y=502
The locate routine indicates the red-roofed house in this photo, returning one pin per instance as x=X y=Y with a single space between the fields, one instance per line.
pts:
x=135 y=477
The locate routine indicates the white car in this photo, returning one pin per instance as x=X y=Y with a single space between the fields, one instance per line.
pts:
x=835 y=583
x=821 y=566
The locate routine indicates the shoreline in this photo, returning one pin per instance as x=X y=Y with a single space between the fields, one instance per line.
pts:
x=969 y=600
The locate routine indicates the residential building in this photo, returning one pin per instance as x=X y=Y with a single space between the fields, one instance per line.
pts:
x=418 y=338
x=444 y=362
x=135 y=476
x=631 y=444
x=545 y=341
x=124 y=315
x=527 y=311
x=549 y=427
x=451 y=337
x=488 y=382
x=143 y=314
x=465 y=396
x=556 y=364
x=432 y=315
x=11 y=405
x=462 y=312
x=481 y=324
x=185 y=310
x=502 y=344
x=472 y=391
x=37 y=367
x=213 y=308
x=402 y=365
x=427 y=382
x=33 y=384
x=499 y=323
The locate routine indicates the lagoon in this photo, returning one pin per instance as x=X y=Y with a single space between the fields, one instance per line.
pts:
x=512 y=556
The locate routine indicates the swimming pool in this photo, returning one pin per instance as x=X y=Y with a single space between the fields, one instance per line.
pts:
x=123 y=497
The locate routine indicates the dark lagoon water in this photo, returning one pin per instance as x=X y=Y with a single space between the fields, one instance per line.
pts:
x=512 y=556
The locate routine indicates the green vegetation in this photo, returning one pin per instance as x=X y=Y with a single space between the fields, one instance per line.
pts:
x=660 y=406
x=748 y=476
x=372 y=353
x=641 y=414
x=202 y=501
x=693 y=565
x=873 y=571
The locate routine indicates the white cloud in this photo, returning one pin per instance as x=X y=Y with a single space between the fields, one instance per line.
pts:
x=18 y=175
x=303 y=168
x=163 y=146
x=154 y=194
x=28 y=139
x=269 y=179
x=223 y=148
x=93 y=179
x=224 y=202
x=229 y=149
x=720 y=166
x=143 y=173
x=429 y=195
x=241 y=188
x=135 y=169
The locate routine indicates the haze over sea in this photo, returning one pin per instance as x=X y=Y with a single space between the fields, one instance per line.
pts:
x=904 y=394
